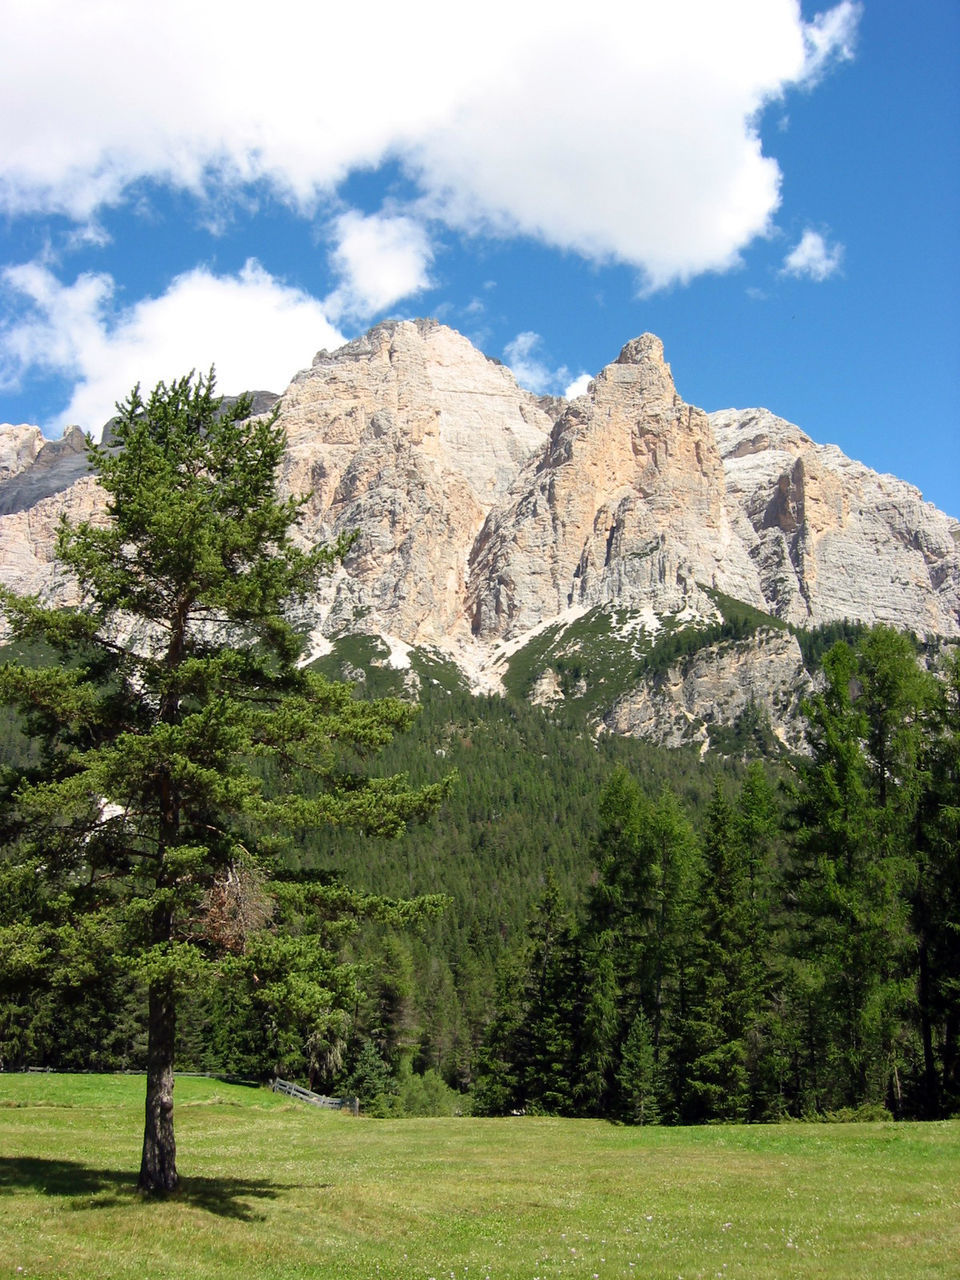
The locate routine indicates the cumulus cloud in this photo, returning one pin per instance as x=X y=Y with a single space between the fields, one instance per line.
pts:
x=813 y=258
x=628 y=135
x=526 y=366
x=524 y=360
x=250 y=325
x=578 y=387
x=380 y=260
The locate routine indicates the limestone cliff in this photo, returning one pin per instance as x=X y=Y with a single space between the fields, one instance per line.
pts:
x=410 y=436
x=626 y=503
x=486 y=514
x=714 y=688
x=41 y=481
x=831 y=538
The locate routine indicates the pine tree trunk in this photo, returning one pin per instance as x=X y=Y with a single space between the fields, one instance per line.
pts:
x=158 y=1166
x=931 y=1099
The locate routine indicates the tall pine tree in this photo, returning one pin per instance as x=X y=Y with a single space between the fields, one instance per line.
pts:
x=145 y=817
x=857 y=805
x=726 y=985
x=936 y=898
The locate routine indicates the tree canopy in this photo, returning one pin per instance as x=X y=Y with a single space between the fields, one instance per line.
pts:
x=796 y=955
x=143 y=835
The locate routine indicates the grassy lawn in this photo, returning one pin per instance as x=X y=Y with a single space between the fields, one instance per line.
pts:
x=274 y=1190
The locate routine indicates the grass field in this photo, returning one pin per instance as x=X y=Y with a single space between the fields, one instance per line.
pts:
x=274 y=1190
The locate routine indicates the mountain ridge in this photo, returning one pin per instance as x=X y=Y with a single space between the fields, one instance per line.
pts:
x=486 y=514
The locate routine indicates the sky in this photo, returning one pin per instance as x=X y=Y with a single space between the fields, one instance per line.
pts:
x=772 y=188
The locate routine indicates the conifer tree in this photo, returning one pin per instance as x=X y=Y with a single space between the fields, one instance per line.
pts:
x=678 y=874
x=145 y=817
x=554 y=985
x=528 y=1060
x=637 y=937
x=857 y=807
x=725 y=988
x=637 y=1075
x=936 y=898
x=621 y=910
x=757 y=824
x=599 y=1027
x=501 y=1058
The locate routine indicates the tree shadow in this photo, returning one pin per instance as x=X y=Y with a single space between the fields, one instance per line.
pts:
x=103 y=1188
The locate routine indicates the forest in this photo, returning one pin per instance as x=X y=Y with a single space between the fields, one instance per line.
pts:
x=791 y=953
x=653 y=936
x=218 y=860
x=626 y=931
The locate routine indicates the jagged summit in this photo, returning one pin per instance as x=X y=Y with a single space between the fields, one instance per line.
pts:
x=376 y=339
x=486 y=514
x=626 y=505
x=831 y=538
x=639 y=350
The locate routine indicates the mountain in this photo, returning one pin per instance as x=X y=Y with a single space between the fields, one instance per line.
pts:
x=560 y=549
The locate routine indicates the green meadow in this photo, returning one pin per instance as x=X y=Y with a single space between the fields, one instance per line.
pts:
x=275 y=1190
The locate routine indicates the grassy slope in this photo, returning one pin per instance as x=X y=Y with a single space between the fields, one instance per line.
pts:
x=278 y=1191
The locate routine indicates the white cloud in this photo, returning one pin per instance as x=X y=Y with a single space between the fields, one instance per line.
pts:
x=578 y=387
x=831 y=37
x=813 y=258
x=380 y=259
x=254 y=328
x=526 y=366
x=531 y=371
x=629 y=133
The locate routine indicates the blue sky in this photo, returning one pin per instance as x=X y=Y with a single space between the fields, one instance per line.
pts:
x=774 y=190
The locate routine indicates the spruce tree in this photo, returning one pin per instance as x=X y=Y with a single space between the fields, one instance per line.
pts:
x=528 y=1060
x=146 y=817
x=637 y=1075
x=857 y=806
x=501 y=1059
x=622 y=904
x=599 y=1027
x=725 y=987
x=554 y=986
x=757 y=824
x=637 y=940
x=678 y=875
x=936 y=898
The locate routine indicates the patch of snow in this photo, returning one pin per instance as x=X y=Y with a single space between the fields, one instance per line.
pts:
x=504 y=649
x=476 y=665
x=318 y=646
x=638 y=627
x=398 y=659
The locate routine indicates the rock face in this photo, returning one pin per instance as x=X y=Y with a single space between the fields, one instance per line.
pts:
x=410 y=436
x=485 y=513
x=626 y=503
x=716 y=687
x=40 y=481
x=831 y=538
x=32 y=468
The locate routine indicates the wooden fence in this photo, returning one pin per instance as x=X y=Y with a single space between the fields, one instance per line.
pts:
x=315 y=1099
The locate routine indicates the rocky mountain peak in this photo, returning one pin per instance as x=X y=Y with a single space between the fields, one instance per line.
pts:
x=386 y=340
x=32 y=468
x=648 y=347
x=485 y=514
x=409 y=435
x=626 y=504
x=640 y=366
